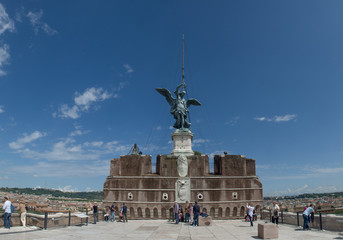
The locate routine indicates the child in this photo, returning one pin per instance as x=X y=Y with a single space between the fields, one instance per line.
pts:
x=108 y=213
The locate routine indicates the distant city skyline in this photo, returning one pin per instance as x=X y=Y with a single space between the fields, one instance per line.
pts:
x=78 y=79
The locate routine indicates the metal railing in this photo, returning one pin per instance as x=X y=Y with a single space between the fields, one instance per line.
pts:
x=47 y=219
x=319 y=220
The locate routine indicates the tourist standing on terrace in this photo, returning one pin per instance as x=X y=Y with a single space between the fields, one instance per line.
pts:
x=191 y=212
x=196 y=210
x=95 y=212
x=307 y=213
x=8 y=212
x=112 y=214
x=124 y=212
x=187 y=212
x=176 y=212
x=250 y=210
x=22 y=209
x=276 y=210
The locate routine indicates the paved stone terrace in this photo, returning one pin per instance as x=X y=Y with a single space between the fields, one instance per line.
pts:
x=161 y=229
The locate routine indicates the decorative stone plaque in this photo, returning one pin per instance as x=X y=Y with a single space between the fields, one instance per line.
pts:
x=182 y=190
x=182 y=165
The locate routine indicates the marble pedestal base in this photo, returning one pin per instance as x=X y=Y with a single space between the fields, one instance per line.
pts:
x=182 y=140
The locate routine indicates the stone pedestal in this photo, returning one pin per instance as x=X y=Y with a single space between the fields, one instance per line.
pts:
x=268 y=231
x=205 y=221
x=182 y=140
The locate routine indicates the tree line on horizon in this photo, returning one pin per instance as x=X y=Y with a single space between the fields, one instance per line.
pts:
x=93 y=195
x=307 y=195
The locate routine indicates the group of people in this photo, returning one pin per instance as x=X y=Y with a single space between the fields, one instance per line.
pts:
x=9 y=209
x=308 y=215
x=190 y=213
x=110 y=214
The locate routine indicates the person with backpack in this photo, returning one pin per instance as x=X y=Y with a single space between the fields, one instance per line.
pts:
x=8 y=209
x=124 y=212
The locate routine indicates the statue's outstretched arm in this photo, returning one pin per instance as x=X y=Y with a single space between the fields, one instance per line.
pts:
x=177 y=88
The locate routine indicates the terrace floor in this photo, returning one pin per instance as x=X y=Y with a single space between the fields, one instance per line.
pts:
x=161 y=229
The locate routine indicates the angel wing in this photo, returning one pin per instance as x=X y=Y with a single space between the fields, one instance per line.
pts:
x=192 y=101
x=167 y=95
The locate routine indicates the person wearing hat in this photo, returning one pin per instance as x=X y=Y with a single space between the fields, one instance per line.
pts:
x=7 y=209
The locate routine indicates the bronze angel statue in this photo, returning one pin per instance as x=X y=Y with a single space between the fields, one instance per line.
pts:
x=179 y=106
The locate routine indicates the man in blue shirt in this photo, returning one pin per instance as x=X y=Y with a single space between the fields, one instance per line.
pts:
x=196 y=210
x=7 y=212
x=112 y=214
x=307 y=213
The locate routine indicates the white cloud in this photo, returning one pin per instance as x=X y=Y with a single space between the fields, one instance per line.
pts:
x=78 y=131
x=93 y=144
x=68 y=150
x=18 y=14
x=69 y=112
x=67 y=188
x=64 y=169
x=263 y=166
x=128 y=68
x=233 y=121
x=284 y=118
x=291 y=177
x=327 y=170
x=4 y=56
x=296 y=190
x=35 y=19
x=5 y=22
x=83 y=102
x=64 y=150
x=89 y=96
x=158 y=128
x=2 y=109
x=200 y=140
x=21 y=142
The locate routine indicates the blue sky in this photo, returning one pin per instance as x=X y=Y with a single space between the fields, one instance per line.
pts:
x=78 y=79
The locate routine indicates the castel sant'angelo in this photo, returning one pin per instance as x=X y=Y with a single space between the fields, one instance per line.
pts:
x=182 y=176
